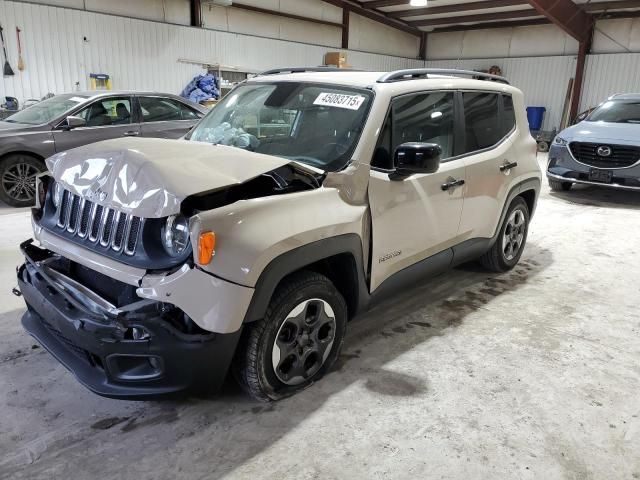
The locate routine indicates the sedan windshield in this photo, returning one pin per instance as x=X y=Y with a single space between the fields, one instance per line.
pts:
x=616 y=112
x=314 y=124
x=46 y=110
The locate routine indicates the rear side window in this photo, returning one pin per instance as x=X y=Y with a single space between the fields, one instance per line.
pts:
x=482 y=120
x=508 y=115
x=157 y=109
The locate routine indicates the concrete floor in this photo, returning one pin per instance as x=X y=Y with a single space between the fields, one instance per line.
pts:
x=531 y=374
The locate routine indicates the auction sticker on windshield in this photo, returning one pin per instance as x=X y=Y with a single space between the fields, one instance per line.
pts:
x=350 y=102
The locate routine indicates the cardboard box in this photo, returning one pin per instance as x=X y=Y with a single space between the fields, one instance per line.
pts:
x=338 y=59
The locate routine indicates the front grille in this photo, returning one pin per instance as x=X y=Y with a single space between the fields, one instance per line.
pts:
x=107 y=227
x=621 y=155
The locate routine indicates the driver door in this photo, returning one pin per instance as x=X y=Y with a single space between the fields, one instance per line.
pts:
x=107 y=118
x=418 y=217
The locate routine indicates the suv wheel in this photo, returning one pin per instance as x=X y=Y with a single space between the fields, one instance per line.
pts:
x=296 y=343
x=18 y=180
x=507 y=249
x=558 y=186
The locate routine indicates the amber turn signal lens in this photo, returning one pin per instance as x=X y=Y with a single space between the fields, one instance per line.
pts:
x=206 y=247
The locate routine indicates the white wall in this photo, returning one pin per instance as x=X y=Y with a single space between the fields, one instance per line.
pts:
x=364 y=35
x=170 y=11
x=606 y=74
x=538 y=40
x=617 y=36
x=139 y=54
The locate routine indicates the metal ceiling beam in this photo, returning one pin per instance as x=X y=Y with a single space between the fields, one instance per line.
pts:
x=358 y=9
x=487 y=17
x=457 y=7
x=384 y=3
x=566 y=15
x=484 y=26
x=606 y=6
x=278 y=13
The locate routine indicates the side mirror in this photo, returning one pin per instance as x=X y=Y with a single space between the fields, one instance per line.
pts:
x=72 y=122
x=415 y=157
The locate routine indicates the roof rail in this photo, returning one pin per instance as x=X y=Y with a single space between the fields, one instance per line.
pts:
x=276 y=71
x=414 y=73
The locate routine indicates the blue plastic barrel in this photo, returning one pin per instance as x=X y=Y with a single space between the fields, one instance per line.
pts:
x=535 y=115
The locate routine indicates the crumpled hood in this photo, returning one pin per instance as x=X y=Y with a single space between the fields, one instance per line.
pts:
x=596 y=132
x=150 y=177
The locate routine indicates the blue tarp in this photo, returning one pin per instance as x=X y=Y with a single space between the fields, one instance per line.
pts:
x=202 y=87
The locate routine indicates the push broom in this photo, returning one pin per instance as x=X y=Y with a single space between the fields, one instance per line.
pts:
x=8 y=71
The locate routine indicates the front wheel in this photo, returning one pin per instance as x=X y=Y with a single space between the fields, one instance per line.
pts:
x=296 y=343
x=18 y=180
x=506 y=251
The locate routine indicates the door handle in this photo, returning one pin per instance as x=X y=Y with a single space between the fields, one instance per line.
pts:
x=131 y=133
x=453 y=183
x=508 y=166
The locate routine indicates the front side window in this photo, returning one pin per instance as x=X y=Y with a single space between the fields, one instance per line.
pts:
x=423 y=117
x=157 y=109
x=46 y=110
x=106 y=112
x=482 y=120
x=616 y=111
x=314 y=124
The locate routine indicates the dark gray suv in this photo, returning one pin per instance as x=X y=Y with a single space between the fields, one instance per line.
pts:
x=74 y=119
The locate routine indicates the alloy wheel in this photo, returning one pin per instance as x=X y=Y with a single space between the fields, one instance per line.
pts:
x=513 y=235
x=303 y=341
x=19 y=181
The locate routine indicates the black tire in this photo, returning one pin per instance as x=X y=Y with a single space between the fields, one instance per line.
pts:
x=543 y=146
x=253 y=365
x=500 y=258
x=17 y=179
x=558 y=186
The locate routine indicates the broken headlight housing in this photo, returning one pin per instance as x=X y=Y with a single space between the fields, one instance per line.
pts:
x=175 y=235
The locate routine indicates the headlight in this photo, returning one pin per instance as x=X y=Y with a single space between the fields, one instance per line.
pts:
x=57 y=194
x=561 y=142
x=175 y=235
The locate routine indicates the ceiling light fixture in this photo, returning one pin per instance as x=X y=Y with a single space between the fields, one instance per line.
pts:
x=418 y=3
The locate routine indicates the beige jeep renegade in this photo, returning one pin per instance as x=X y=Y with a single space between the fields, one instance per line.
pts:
x=298 y=202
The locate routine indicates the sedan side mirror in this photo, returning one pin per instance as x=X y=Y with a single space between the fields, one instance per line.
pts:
x=415 y=157
x=72 y=122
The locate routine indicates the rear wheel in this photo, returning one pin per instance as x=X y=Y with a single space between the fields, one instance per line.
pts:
x=18 y=179
x=296 y=343
x=506 y=251
x=558 y=186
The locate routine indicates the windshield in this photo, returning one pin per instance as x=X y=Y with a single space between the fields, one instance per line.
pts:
x=616 y=112
x=46 y=110
x=314 y=124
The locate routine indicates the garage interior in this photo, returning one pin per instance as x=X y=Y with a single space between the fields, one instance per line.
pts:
x=533 y=373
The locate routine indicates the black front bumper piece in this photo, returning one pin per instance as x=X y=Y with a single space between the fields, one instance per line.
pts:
x=132 y=352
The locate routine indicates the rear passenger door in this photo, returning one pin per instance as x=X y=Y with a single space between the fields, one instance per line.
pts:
x=418 y=217
x=489 y=122
x=164 y=117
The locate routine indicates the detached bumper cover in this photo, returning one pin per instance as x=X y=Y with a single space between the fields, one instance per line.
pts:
x=133 y=354
x=563 y=167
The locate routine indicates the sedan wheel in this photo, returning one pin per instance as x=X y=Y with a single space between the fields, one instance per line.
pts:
x=18 y=180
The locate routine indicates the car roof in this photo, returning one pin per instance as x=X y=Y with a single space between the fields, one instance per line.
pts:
x=102 y=93
x=625 y=96
x=360 y=79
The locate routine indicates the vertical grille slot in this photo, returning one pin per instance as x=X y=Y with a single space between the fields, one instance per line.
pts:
x=96 y=224
x=132 y=237
x=107 y=228
x=72 y=216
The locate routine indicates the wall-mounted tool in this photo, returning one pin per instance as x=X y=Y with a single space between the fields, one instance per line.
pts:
x=20 y=60
x=7 y=71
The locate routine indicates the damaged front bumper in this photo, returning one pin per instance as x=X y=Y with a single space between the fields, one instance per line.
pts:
x=132 y=350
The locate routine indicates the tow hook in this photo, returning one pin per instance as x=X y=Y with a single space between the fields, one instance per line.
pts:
x=16 y=291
